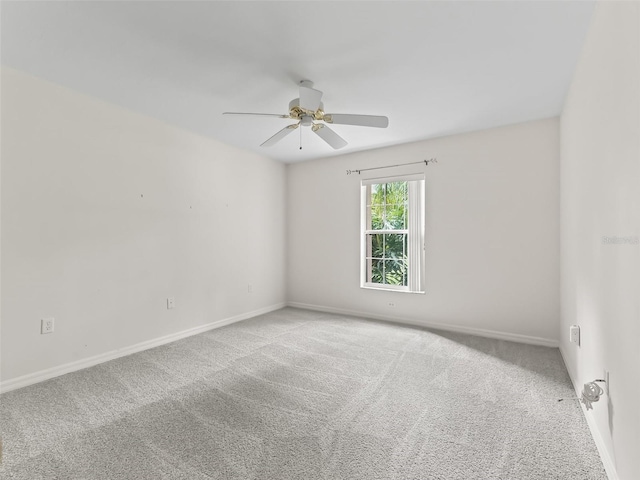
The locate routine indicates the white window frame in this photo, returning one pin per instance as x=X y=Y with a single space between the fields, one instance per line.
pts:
x=415 y=233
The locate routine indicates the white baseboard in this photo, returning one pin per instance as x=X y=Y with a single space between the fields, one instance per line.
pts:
x=607 y=461
x=513 y=337
x=53 y=372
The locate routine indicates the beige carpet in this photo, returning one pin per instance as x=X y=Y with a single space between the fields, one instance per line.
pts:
x=304 y=395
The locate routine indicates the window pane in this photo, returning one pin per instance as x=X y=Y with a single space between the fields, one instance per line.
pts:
x=395 y=246
x=395 y=215
x=396 y=205
x=375 y=242
x=375 y=270
x=395 y=272
x=377 y=194
x=387 y=204
x=396 y=192
x=377 y=217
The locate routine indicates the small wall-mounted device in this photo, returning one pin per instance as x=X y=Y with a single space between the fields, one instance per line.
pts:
x=574 y=334
x=592 y=391
x=47 y=325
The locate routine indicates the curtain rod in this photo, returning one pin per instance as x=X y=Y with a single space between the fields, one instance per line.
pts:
x=359 y=171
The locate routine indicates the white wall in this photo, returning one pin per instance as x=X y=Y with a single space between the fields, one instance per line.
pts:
x=492 y=204
x=600 y=178
x=106 y=213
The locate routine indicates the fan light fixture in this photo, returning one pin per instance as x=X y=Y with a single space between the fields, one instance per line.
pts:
x=309 y=111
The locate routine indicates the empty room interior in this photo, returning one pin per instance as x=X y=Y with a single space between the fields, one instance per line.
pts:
x=320 y=240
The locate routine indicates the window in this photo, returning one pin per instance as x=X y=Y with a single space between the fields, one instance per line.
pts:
x=392 y=224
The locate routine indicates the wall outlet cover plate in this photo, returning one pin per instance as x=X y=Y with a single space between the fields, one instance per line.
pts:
x=574 y=334
x=47 y=325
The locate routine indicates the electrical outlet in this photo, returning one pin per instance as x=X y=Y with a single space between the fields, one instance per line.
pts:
x=574 y=334
x=46 y=325
x=171 y=303
x=391 y=304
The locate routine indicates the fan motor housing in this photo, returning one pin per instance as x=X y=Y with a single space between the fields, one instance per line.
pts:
x=296 y=112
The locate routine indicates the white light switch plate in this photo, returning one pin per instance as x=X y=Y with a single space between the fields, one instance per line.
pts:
x=171 y=303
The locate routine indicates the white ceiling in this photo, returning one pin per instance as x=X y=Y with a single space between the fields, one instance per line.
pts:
x=434 y=68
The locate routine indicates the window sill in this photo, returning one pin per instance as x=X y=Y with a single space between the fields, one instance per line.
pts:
x=396 y=290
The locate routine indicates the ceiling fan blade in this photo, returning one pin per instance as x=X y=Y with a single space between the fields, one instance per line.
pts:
x=360 y=120
x=260 y=114
x=329 y=136
x=310 y=98
x=280 y=135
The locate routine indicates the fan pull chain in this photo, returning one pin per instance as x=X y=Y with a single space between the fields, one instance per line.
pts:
x=300 y=139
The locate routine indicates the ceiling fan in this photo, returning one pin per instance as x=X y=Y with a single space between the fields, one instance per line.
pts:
x=308 y=110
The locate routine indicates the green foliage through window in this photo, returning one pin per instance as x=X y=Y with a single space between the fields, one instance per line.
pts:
x=387 y=238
